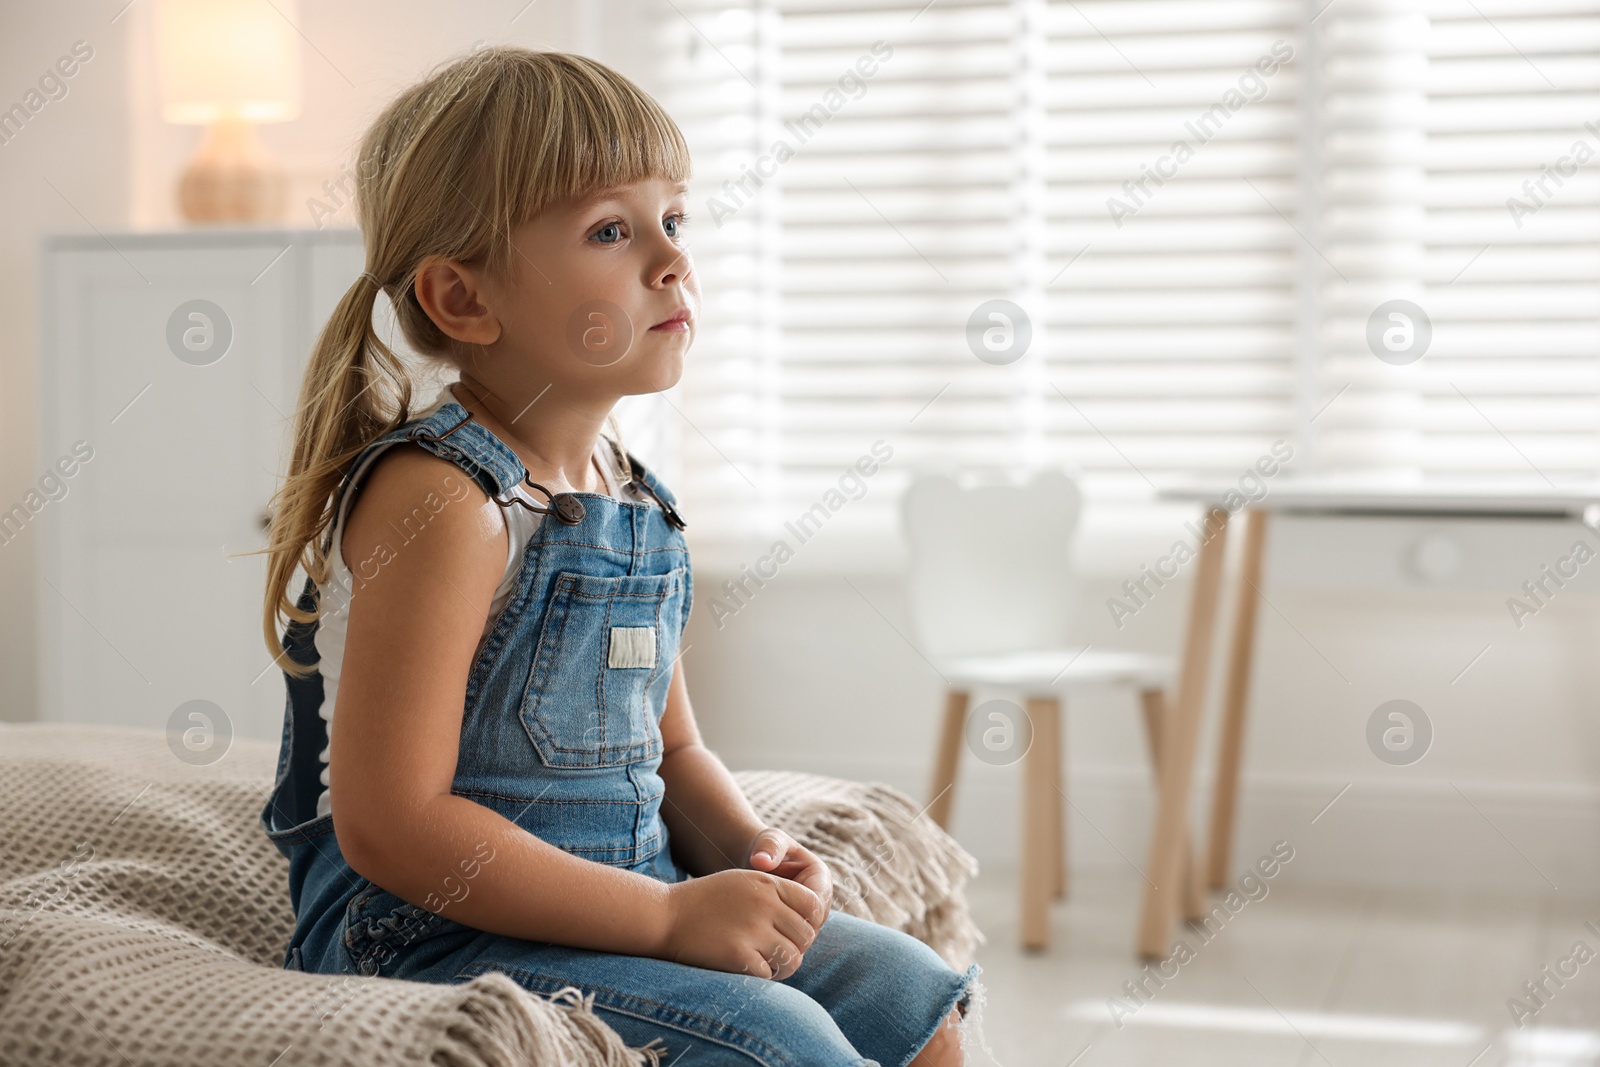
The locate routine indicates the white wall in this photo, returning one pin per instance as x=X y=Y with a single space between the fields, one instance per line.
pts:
x=64 y=172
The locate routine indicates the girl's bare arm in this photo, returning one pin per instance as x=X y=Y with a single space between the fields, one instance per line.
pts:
x=414 y=622
x=709 y=821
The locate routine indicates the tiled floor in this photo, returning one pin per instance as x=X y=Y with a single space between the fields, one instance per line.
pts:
x=1301 y=977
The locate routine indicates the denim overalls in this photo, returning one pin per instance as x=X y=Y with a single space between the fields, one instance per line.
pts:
x=561 y=735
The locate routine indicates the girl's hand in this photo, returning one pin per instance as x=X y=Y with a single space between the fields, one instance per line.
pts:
x=744 y=922
x=775 y=852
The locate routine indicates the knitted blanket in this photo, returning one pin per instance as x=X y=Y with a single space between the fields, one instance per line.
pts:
x=144 y=915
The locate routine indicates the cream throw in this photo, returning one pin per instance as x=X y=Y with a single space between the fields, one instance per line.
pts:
x=144 y=915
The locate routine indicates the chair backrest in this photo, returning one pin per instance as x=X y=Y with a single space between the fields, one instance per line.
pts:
x=990 y=563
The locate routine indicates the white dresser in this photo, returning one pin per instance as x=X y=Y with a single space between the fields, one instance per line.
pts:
x=176 y=359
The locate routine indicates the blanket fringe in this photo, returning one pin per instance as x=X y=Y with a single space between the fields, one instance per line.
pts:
x=889 y=869
x=499 y=1024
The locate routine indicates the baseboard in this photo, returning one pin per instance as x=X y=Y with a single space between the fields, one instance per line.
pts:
x=1382 y=832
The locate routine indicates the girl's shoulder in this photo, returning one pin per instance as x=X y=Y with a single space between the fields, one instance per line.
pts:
x=444 y=434
x=447 y=430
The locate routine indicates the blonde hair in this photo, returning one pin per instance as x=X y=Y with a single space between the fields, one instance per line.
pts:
x=449 y=168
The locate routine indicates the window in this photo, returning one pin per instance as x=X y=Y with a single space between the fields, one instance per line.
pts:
x=1197 y=216
x=1450 y=170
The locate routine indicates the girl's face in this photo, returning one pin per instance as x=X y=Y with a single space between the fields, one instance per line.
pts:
x=603 y=301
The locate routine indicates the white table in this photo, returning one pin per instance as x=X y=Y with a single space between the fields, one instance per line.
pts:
x=1303 y=496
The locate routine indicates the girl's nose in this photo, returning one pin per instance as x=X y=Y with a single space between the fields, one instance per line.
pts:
x=676 y=269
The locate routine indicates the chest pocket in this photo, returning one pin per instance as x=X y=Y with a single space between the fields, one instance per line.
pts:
x=602 y=668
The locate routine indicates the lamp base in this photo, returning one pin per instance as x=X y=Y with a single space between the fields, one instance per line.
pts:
x=232 y=178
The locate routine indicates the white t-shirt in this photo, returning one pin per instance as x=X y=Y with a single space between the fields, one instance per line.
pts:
x=521 y=524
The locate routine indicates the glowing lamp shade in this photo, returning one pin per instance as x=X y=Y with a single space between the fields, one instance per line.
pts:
x=229 y=64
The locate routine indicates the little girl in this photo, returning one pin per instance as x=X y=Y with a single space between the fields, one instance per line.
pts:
x=513 y=780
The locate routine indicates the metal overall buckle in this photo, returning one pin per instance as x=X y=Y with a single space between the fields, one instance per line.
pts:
x=636 y=478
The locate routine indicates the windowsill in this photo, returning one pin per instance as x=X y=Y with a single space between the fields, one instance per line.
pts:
x=1112 y=541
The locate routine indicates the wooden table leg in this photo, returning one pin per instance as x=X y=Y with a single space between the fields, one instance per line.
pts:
x=1236 y=697
x=1194 y=884
x=942 y=791
x=1040 y=857
x=1154 y=704
x=1166 y=865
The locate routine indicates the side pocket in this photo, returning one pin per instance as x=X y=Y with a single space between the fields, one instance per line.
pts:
x=379 y=927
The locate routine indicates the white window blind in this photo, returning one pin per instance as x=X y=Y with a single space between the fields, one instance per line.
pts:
x=1197 y=208
x=1434 y=115
x=1171 y=340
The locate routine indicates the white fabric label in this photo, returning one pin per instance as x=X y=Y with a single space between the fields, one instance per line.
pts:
x=632 y=646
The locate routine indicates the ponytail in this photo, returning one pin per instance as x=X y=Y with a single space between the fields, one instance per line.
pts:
x=343 y=405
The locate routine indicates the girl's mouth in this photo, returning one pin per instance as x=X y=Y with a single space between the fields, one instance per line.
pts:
x=678 y=323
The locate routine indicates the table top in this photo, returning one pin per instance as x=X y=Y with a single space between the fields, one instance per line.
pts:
x=1367 y=497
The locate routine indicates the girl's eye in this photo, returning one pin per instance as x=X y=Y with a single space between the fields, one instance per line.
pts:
x=674 y=223
x=611 y=228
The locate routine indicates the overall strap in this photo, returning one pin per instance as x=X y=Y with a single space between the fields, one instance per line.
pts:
x=640 y=475
x=452 y=434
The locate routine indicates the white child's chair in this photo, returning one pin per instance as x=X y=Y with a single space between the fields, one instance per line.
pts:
x=990 y=592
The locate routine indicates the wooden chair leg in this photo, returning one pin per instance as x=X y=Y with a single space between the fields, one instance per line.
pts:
x=941 y=794
x=1225 y=792
x=1058 y=816
x=1039 y=856
x=1166 y=865
x=1194 y=884
x=1154 y=704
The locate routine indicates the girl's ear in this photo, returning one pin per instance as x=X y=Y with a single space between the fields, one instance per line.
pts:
x=452 y=295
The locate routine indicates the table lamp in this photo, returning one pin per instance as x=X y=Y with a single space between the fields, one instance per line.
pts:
x=229 y=64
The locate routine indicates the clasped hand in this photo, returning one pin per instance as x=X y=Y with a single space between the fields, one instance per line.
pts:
x=757 y=919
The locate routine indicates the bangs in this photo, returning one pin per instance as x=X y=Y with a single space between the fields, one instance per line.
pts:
x=578 y=137
x=488 y=143
x=599 y=138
